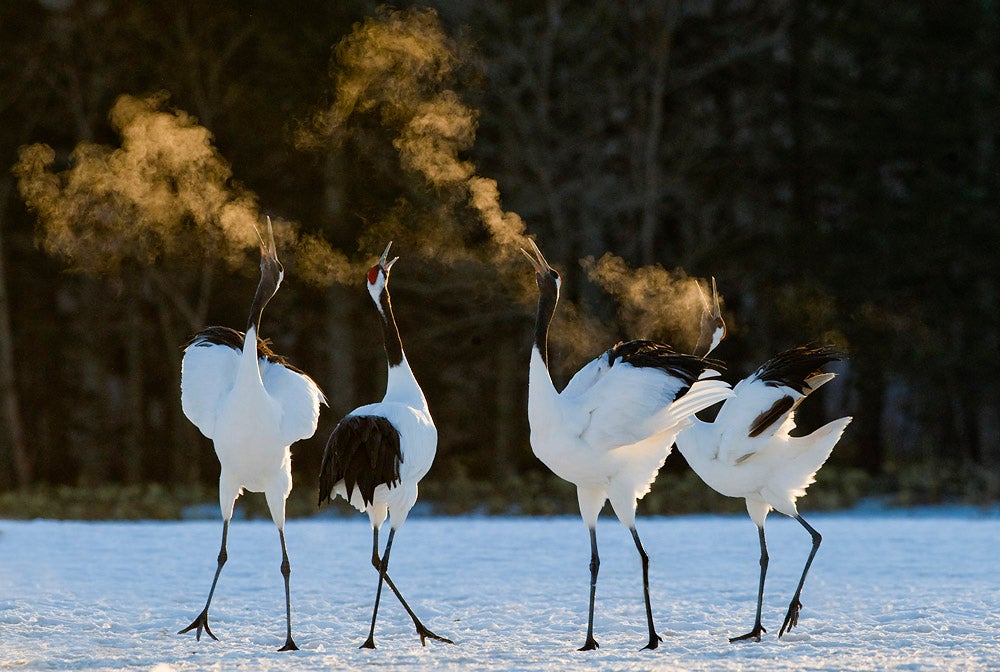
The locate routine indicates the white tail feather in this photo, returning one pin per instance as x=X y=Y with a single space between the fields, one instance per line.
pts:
x=820 y=379
x=703 y=393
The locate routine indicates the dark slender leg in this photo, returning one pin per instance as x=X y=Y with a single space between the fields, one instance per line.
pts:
x=595 y=565
x=423 y=631
x=654 y=639
x=201 y=621
x=757 y=627
x=792 y=617
x=383 y=566
x=286 y=570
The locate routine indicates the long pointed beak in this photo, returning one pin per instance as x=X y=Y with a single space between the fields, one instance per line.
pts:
x=267 y=247
x=537 y=261
x=716 y=309
x=385 y=255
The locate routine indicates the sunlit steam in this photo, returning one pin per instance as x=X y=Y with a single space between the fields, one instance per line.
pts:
x=164 y=188
x=654 y=301
x=166 y=191
x=399 y=65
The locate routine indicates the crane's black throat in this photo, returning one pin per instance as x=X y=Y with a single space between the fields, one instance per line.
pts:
x=390 y=333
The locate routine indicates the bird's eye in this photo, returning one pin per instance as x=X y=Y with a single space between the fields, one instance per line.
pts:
x=554 y=273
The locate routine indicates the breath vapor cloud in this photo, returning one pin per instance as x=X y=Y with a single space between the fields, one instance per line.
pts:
x=165 y=191
x=399 y=65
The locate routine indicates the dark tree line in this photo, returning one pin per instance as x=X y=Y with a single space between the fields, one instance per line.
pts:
x=833 y=164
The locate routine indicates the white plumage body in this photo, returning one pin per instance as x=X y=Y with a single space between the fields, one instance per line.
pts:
x=406 y=409
x=611 y=428
x=252 y=409
x=770 y=470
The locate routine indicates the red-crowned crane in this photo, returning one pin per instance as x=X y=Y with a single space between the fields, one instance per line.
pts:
x=611 y=428
x=748 y=452
x=379 y=452
x=253 y=405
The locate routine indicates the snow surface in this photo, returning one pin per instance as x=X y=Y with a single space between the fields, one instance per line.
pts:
x=886 y=592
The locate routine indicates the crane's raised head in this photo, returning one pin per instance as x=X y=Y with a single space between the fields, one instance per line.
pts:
x=545 y=275
x=271 y=274
x=713 y=328
x=378 y=275
x=270 y=267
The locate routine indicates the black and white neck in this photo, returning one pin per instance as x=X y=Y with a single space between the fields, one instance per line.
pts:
x=548 y=282
x=378 y=276
x=401 y=384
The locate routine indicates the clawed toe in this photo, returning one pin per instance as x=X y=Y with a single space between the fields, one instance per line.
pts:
x=426 y=634
x=791 y=618
x=753 y=634
x=201 y=623
x=654 y=641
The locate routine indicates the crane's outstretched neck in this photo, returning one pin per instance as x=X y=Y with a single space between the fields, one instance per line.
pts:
x=390 y=332
x=265 y=290
x=401 y=385
x=548 y=296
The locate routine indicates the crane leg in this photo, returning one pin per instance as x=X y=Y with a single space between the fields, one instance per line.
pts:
x=382 y=566
x=286 y=570
x=422 y=631
x=792 y=617
x=595 y=565
x=757 y=627
x=654 y=639
x=201 y=621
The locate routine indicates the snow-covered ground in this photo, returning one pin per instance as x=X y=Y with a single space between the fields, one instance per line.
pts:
x=886 y=592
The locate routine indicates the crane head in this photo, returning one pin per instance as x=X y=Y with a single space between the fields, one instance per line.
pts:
x=271 y=274
x=270 y=267
x=381 y=267
x=543 y=272
x=713 y=327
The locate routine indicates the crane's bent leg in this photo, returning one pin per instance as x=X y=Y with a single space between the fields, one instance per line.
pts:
x=286 y=570
x=654 y=639
x=201 y=621
x=595 y=566
x=757 y=627
x=422 y=630
x=792 y=617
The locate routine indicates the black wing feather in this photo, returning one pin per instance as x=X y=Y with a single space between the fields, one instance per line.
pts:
x=771 y=415
x=363 y=452
x=792 y=368
x=231 y=338
x=651 y=354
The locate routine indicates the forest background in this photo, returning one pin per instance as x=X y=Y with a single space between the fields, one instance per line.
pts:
x=834 y=165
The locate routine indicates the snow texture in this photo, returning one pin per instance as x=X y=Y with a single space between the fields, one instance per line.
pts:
x=888 y=591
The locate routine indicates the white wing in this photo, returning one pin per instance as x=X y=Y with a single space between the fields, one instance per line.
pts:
x=586 y=377
x=757 y=415
x=620 y=401
x=208 y=371
x=299 y=398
